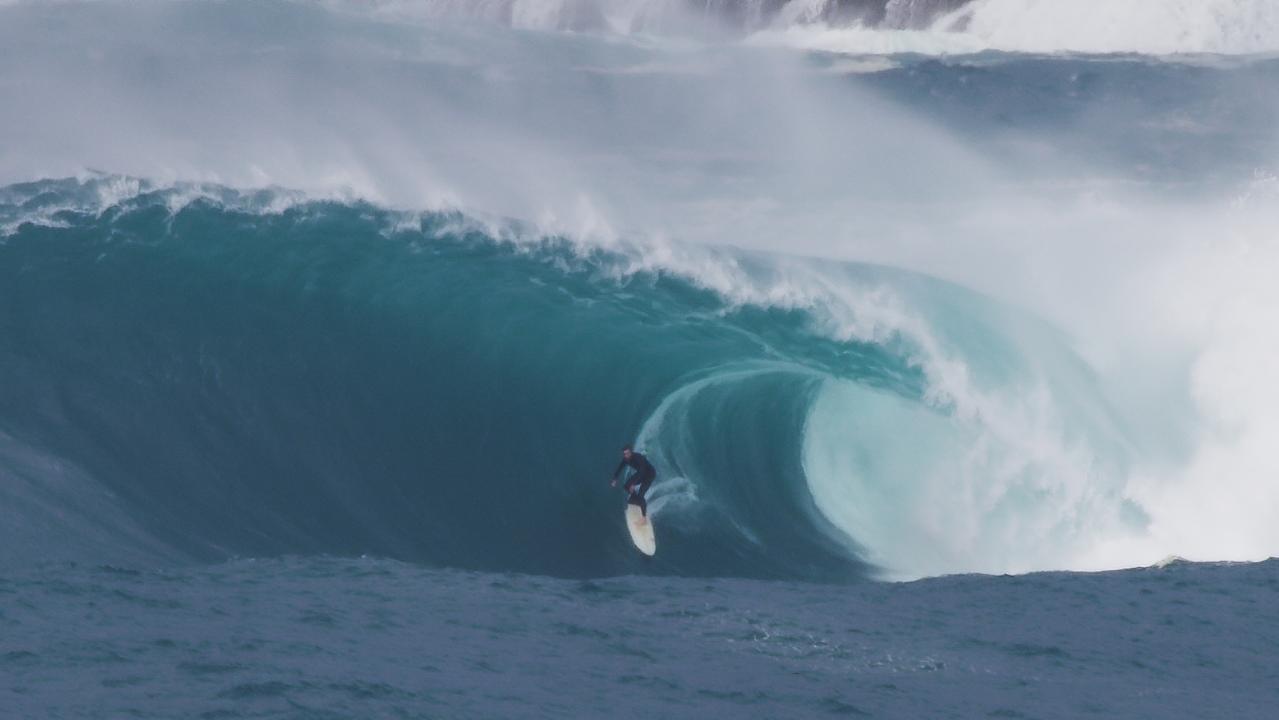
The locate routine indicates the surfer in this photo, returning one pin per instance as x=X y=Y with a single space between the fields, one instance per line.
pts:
x=638 y=483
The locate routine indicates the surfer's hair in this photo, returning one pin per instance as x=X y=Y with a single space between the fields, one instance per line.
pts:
x=626 y=447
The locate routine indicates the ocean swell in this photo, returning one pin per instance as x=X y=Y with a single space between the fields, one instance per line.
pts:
x=256 y=373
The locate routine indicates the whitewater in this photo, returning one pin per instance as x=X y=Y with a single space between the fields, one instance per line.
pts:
x=943 y=321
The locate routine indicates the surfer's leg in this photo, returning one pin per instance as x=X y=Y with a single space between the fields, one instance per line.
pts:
x=637 y=498
x=638 y=495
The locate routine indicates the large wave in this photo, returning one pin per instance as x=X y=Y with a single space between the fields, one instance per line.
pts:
x=240 y=374
x=371 y=362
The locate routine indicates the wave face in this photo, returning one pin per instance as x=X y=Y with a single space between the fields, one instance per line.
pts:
x=357 y=280
x=330 y=379
x=232 y=373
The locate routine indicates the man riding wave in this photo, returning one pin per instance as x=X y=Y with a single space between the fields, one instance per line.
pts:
x=639 y=481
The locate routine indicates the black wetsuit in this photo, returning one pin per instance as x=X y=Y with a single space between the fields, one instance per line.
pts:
x=639 y=482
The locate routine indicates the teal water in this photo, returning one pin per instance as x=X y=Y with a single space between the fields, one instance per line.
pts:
x=316 y=381
x=337 y=378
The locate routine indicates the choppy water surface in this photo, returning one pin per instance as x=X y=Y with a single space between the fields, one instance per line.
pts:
x=321 y=637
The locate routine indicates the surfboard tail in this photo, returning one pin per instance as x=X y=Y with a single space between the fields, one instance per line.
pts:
x=641 y=529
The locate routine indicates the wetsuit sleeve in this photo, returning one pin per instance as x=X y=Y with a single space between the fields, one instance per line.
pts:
x=618 y=471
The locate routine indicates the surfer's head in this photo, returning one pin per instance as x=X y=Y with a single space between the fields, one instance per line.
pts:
x=626 y=451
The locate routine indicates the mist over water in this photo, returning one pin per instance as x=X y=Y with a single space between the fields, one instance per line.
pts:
x=882 y=26
x=1050 y=351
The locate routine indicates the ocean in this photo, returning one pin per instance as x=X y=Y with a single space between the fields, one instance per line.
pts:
x=944 y=323
x=325 y=637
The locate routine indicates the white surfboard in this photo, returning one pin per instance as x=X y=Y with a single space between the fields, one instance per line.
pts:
x=641 y=530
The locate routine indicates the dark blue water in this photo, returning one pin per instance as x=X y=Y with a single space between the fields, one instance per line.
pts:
x=365 y=638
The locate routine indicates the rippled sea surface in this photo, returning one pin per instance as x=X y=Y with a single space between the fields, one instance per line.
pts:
x=368 y=638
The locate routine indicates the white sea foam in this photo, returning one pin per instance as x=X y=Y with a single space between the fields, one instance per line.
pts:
x=1157 y=27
